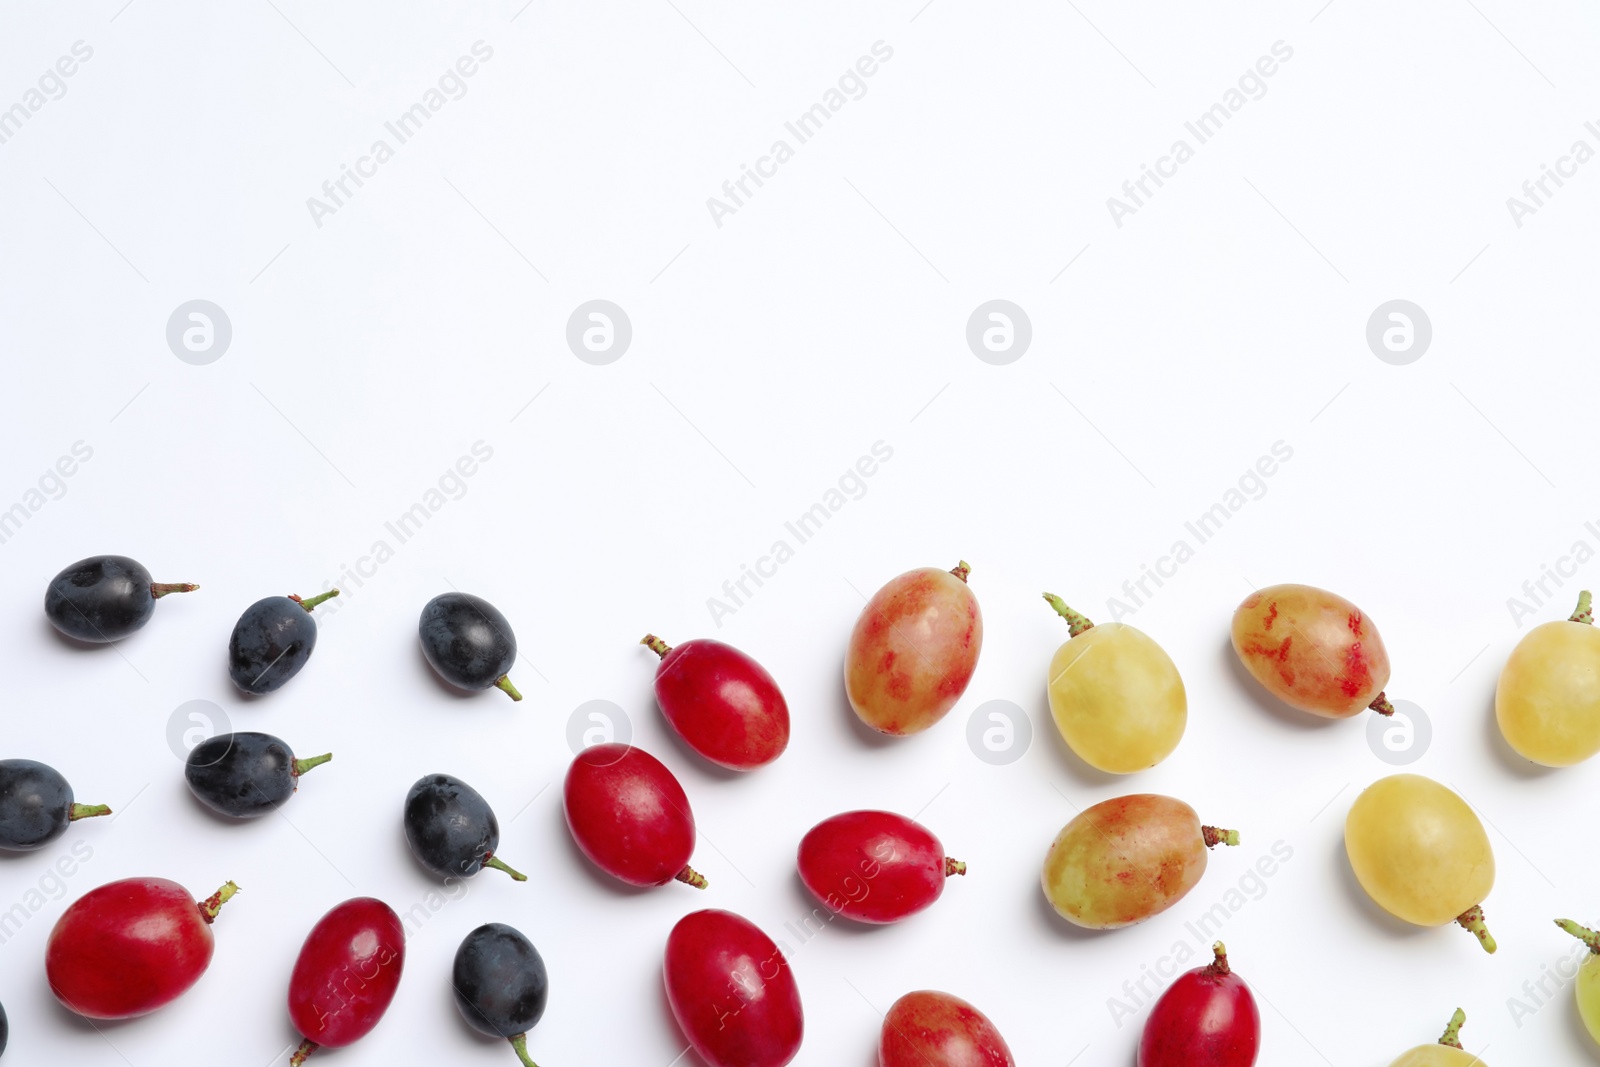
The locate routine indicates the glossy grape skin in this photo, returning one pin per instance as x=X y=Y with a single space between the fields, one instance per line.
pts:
x=732 y=992
x=1419 y=851
x=243 y=775
x=932 y=1029
x=468 y=642
x=500 y=983
x=1206 y=1018
x=270 y=643
x=451 y=829
x=104 y=598
x=1312 y=649
x=722 y=703
x=1547 y=701
x=130 y=947
x=1117 y=698
x=874 y=866
x=1124 y=860
x=346 y=975
x=5 y=1030
x=913 y=650
x=630 y=816
x=36 y=805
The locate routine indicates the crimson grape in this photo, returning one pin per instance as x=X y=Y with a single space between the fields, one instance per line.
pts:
x=874 y=866
x=630 y=816
x=346 y=975
x=732 y=992
x=722 y=703
x=1207 y=1018
x=130 y=947
x=931 y=1029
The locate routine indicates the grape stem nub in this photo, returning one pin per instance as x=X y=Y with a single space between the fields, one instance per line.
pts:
x=1582 y=933
x=1452 y=1033
x=1585 y=610
x=1077 y=623
x=1215 y=836
x=656 y=645
x=1472 y=919
x=1219 y=966
x=961 y=570
x=690 y=876
x=1381 y=705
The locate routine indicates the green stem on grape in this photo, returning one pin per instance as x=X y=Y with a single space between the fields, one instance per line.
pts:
x=1381 y=705
x=311 y=603
x=656 y=645
x=953 y=867
x=520 y=1043
x=1219 y=966
x=1452 y=1033
x=86 y=811
x=213 y=904
x=1472 y=919
x=301 y=766
x=1585 y=610
x=1215 y=836
x=961 y=569
x=690 y=876
x=1077 y=623
x=307 y=1047
x=498 y=864
x=503 y=683
x=161 y=589
x=1582 y=933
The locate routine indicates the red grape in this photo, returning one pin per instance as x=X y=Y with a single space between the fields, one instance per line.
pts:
x=874 y=866
x=130 y=947
x=929 y=1029
x=722 y=703
x=1313 y=649
x=346 y=975
x=732 y=992
x=630 y=816
x=913 y=650
x=1207 y=1018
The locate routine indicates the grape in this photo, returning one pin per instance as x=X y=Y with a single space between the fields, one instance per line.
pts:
x=105 y=598
x=874 y=866
x=1588 y=984
x=913 y=650
x=1207 y=1018
x=272 y=641
x=1115 y=695
x=1548 y=699
x=1312 y=649
x=1446 y=1053
x=451 y=829
x=1127 y=859
x=1420 y=853
x=932 y=1029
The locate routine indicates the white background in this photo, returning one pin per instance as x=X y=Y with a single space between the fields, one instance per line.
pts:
x=768 y=355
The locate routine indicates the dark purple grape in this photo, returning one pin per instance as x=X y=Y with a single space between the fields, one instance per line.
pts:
x=468 y=642
x=501 y=984
x=451 y=829
x=245 y=775
x=36 y=805
x=272 y=640
x=104 y=598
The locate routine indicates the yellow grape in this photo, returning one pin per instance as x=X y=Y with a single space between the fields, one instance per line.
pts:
x=1421 y=853
x=1115 y=694
x=1588 y=984
x=1447 y=1052
x=1548 y=699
